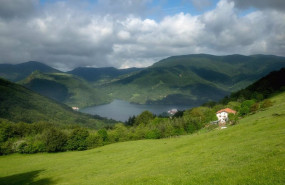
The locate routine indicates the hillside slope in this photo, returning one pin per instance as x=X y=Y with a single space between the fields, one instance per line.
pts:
x=193 y=79
x=20 y=71
x=65 y=88
x=265 y=87
x=97 y=74
x=17 y=104
x=251 y=152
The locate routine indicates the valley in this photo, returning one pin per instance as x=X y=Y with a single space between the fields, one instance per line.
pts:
x=251 y=152
x=142 y=92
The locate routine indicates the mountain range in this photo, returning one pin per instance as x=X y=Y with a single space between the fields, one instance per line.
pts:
x=187 y=79
x=193 y=79
x=16 y=72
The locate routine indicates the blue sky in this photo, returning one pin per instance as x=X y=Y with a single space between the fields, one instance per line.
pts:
x=167 y=7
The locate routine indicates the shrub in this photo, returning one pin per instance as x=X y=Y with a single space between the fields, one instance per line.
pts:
x=54 y=140
x=254 y=107
x=77 y=139
x=6 y=147
x=233 y=119
x=103 y=134
x=94 y=140
x=266 y=103
x=153 y=134
x=244 y=111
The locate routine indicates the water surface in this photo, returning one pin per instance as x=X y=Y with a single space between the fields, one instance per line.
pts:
x=121 y=110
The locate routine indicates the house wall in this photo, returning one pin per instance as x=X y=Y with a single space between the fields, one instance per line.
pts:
x=222 y=117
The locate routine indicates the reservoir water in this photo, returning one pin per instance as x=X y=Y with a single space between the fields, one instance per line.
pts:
x=121 y=110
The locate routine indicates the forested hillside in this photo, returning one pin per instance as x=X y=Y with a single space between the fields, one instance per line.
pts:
x=193 y=79
x=19 y=104
x=66 y=88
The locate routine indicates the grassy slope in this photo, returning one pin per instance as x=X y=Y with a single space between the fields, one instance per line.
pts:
x=252 y=152
x=65 y=88
x=17 y=103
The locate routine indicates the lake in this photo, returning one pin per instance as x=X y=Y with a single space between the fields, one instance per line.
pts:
x=121 y=110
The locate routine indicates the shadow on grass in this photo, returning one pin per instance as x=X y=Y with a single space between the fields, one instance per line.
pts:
x=27 y=178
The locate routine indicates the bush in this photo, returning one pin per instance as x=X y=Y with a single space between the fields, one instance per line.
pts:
x=77 y=139
x=103 y=134
x=6 y=147
x=54 y=140
x=233 y=119
x=244 y=111
x=153 y=134
x=254 y=107
x=94 y=140
x=266 y=103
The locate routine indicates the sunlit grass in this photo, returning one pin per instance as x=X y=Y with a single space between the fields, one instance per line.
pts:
x=252 y=152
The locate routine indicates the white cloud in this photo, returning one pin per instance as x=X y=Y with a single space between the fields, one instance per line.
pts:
x=65 y=36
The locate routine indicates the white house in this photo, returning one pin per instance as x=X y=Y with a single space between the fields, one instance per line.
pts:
x=223 y=115
x=172 y=111
x=75 y=108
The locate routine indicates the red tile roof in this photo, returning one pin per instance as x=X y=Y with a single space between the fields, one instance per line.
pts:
x=228 y=110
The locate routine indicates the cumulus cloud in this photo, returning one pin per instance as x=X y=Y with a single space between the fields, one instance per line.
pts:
x=66 y=36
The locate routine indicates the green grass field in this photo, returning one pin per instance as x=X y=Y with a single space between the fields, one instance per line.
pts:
x=252 y=152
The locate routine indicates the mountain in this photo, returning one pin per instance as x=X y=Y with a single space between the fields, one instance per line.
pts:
x=20 y=104
x=193 y=79
x=267 y=86
x=66 y=88
x=97 y=74
x=20 y=71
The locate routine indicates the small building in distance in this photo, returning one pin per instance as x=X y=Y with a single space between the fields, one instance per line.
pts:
x=172 y=111
x=223 y=114
x=75 y=108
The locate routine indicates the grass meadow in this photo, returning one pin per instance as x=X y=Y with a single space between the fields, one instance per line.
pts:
x=251 y=152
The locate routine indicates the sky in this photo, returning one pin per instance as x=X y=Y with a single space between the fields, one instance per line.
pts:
x=66 y=34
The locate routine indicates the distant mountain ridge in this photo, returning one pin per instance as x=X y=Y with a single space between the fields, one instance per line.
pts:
x=16 y=72
x=186 y=79
x=193 y=79
x=94 y=74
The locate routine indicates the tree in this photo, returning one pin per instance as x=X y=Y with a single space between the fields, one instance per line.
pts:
x=54 y=140
x=233 y=119
x=144 y=118
x=131 y=121
x=103 y=134
x=77 y=139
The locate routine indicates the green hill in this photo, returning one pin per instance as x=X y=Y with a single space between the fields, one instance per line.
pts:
x=66 y=88
x=193 y=79
x=105 y=73
x=20 y=71
x=251 y=152
x=265 y=87
x=19 y=104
